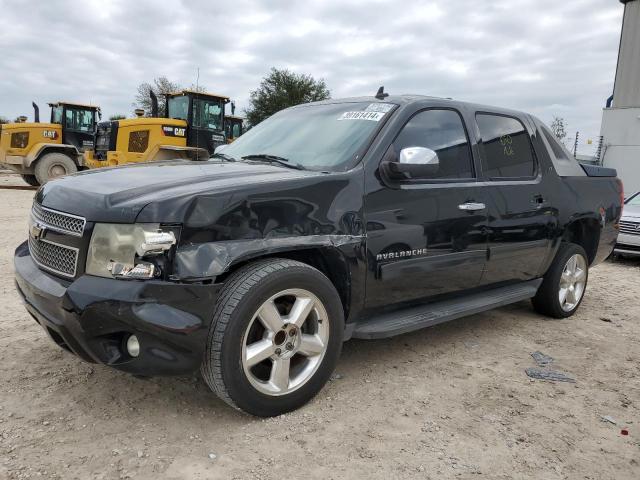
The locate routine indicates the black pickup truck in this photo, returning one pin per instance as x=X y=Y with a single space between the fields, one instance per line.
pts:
x=358 y=218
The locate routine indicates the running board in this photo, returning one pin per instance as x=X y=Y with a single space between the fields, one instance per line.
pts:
x=415 y=318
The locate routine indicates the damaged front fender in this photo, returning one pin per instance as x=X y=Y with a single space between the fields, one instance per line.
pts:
x=209 y=260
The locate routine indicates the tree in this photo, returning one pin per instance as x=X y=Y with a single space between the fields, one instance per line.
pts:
x=558 y=128
x=282 y=89
x=4 y=120
x=160 y=86
x=117 y=116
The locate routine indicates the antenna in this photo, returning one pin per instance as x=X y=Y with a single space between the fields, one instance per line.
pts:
x=381 y=95
x=194 y=110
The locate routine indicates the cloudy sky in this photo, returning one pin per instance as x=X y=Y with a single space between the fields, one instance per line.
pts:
x=548 y=57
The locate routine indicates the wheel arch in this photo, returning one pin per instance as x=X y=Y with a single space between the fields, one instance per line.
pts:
x=586 y=233
x=329 y=260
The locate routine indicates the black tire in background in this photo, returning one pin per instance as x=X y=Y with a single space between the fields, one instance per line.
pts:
x=243 y=294
x=547 y=300
x=31 y=180
x=53 y=165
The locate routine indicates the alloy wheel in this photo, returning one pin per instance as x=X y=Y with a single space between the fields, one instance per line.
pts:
x=285 y=342
x=572 y=282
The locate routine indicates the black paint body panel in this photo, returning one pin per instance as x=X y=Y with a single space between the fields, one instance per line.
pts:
x=386 y=245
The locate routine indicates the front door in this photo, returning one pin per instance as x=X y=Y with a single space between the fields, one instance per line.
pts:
x=426 y=236
x=521 y=221
x=78 y=127
x=206 y=129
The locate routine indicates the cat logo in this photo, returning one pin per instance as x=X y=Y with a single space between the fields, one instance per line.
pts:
x=170 y=131
x=52 y=134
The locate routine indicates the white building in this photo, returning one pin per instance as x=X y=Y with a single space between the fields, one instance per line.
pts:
x=621 y=119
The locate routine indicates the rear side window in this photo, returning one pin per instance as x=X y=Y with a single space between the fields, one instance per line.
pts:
x=563 y=161
x=443 y=132
x=505 y=150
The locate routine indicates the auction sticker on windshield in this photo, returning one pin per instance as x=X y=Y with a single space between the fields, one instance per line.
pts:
x=373 y=116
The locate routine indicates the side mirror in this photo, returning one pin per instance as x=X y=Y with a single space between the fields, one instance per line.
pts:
x=220 y=148
x=413 y=162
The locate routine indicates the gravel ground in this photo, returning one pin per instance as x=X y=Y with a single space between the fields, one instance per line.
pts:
x=451 y=401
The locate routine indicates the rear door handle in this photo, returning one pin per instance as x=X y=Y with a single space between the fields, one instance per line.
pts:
x=472 y=206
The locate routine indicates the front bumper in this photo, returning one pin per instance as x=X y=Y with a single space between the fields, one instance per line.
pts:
x=628 y=244
x=92 y=317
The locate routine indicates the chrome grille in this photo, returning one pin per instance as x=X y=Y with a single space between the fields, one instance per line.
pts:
x=58 y=221
x=631 y=228
x=60 y=259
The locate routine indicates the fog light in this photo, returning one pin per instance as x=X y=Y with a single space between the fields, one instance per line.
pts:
x=133 y=346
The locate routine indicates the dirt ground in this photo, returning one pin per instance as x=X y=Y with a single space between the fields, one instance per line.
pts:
x=451 y=401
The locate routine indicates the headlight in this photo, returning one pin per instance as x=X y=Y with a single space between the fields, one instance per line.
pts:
x=127 y=251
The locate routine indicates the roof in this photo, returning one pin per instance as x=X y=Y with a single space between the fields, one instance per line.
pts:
x=193 y=92
x=84 y=105
x=403 y=100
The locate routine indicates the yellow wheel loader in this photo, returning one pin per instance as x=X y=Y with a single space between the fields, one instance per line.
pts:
x=192 y=127
x=42 y=151
x=232 y=127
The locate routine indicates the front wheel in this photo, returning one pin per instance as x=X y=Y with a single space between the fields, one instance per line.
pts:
x=53 y=165
x=31 y=180
x=275 y=338
x=564 y=284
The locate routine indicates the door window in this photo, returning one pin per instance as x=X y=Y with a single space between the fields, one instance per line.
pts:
x=207 y=114
x=78 y=120
x=443 y=132
x=505 y=150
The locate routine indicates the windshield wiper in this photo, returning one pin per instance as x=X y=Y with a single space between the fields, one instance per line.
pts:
x=274 y=159
x=223 y=156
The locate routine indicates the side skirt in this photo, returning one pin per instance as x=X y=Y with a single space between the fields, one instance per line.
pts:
x=416 y=317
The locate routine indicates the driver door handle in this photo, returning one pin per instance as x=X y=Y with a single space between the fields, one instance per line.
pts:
x=472 y=206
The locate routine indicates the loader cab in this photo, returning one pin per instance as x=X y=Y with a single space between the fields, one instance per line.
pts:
x=204 y=114
x=78 y=123
x=232 y=127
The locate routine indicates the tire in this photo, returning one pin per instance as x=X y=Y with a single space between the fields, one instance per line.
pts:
x=242 y=312
x=31 y=180
x=53 y=165
x=563 y=280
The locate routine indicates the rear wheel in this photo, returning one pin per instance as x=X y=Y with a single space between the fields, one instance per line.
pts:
x=53 y=165
x=275 y=338
x=564 y=284
x=31 y=180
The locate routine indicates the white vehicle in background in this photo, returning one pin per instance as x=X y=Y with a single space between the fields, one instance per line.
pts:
x=629 y=237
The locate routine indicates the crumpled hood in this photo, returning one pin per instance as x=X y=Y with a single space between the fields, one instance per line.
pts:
x=162 y=189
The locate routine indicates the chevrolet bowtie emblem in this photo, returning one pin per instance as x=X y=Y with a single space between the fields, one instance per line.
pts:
x=37 y=231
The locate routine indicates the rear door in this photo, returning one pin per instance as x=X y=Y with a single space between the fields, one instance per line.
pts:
x=426 y=236
x=521 y=223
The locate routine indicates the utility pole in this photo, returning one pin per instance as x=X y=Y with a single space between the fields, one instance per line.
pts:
x=575 y=146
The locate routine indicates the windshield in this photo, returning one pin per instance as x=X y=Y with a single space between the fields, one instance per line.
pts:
x=316 y=137
x=178 y=107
